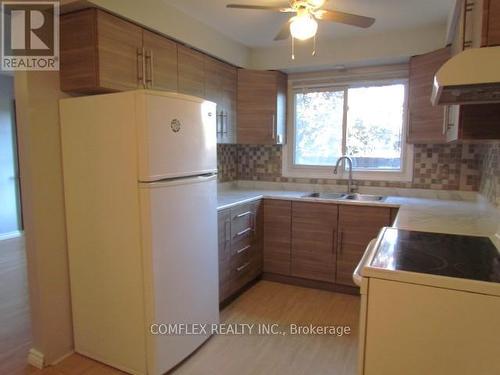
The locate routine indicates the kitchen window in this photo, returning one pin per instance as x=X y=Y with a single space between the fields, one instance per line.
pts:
x=365 y=121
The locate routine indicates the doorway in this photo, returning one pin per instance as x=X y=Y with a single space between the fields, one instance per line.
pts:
x=10 y=198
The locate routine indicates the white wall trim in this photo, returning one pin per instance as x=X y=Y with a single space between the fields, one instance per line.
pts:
x=8 y=236
x=36 y=358
x=60 y=359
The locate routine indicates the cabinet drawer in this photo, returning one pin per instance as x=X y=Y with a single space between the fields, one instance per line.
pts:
x=244 y=271
x=243 y=221
x=241 y=246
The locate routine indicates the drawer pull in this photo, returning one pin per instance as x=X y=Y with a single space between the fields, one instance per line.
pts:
x=241 y=268
x=243 y=249
x=245 y=231
x=243 y=214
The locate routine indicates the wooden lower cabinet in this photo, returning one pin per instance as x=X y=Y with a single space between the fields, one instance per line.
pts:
x=277 y=236
x=319 y=242
x=314 y=233
x=240 y=247
x=358 y=225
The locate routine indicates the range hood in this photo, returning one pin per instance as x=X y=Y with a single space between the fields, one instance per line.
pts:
x=472 y=76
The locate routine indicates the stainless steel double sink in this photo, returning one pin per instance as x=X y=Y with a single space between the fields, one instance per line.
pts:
x=345 y=196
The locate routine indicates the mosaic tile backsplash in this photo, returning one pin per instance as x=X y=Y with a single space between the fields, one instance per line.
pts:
x=490 y=168
x=467 y=167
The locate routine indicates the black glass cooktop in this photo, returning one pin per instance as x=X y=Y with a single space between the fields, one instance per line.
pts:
x=466 y=257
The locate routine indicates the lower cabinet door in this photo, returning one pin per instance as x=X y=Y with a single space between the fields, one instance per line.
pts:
x=358 y=225
x=224 y=238
x=277 y=236
x=314 y=229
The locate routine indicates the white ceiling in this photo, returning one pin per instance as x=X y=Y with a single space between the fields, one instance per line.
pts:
x=255 y=28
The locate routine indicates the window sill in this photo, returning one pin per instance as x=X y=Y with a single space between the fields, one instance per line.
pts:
x=311 y=172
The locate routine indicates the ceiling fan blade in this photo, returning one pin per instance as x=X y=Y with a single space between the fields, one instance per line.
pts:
x=284 y=32
x=283 y=9
x=346 y=18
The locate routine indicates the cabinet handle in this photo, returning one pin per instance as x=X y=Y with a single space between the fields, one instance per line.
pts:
x=243 y=249
x=219 y=123
x=149 y=68
x=340 y=240
x=446 y=118
x=241 y=268
x=274 y=127
x=222 y=132
x=245 y=231
x=227 y=233
x=140 y=66
x=224 y=123
x=243 y=214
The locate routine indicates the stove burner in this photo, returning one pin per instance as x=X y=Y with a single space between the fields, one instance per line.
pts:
x=421 y=260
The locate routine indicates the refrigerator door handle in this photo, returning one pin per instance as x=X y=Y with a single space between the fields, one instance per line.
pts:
x=178 y=181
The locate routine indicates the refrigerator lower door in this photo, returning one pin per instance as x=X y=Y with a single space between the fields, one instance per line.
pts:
x=180 y=265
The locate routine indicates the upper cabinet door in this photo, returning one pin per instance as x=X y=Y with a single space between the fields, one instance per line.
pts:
x=118 y=44
x=425 y=122
x=229 y=87
x=100 y=53
x=213 y=89
x=220 y=87
x=191 y=72
x=261 y=109
x=160 y=57
x=492 y=17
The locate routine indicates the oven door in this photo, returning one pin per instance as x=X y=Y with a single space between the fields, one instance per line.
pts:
x=366 y=259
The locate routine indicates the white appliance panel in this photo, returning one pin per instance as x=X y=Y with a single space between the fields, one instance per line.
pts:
x=177 y=138
x=183 y=219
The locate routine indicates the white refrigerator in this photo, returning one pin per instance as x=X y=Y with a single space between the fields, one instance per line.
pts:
x=140 y=192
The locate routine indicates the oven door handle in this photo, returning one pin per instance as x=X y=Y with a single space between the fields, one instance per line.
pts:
x=365 y=259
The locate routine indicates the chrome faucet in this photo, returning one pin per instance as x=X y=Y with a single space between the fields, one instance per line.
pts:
x=336 y=170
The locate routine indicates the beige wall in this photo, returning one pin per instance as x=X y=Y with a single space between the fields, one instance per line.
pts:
x=37 y=95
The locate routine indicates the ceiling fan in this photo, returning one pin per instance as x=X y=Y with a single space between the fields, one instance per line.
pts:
x=304 y=24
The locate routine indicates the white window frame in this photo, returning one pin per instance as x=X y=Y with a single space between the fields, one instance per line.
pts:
x=290 y=169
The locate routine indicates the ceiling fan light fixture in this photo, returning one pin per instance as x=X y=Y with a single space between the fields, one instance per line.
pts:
x=303 y=26
x=317 y=3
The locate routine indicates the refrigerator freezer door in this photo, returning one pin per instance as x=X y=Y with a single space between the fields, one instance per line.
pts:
x=176 y=135
x=181 y=267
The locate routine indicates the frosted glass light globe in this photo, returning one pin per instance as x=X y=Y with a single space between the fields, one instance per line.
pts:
x=303 y=27
x=317 y=3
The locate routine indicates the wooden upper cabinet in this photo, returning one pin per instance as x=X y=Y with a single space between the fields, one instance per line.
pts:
x=261 y=112
x=492 y=19
x=425 y=121
x=220 y=87
x=229 y=100
x=480 y=24
x=99 y=53
x=277 y=236
x=358 y=225
x=191 y=72
x=473 y=122
x=314 y=234
x=160 y=57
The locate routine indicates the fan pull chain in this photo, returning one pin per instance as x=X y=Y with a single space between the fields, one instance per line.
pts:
x=314 y=46
x=293 y=48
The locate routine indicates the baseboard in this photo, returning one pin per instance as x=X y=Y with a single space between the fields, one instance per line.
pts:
x=36 y=359
x=62 y=358
x=297 y=281
x=8 y=236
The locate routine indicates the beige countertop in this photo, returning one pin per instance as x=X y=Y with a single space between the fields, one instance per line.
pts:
x=463 y=214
